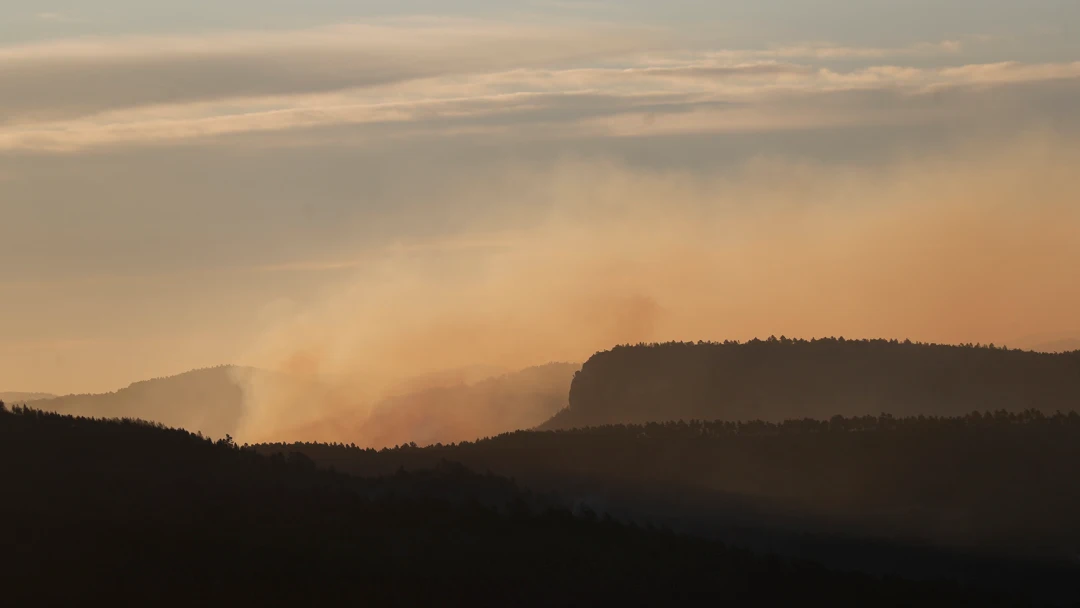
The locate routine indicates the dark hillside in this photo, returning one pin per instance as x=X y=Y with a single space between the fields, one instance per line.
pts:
x=996 y=486
x=125 y=513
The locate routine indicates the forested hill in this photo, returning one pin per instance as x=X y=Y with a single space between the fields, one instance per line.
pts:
x=778 y=379
x=996 y=480
x=135 y=514
x=207 y=400
x=988 y=498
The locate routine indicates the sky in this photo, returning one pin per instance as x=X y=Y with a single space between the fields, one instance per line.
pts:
x=360 y=191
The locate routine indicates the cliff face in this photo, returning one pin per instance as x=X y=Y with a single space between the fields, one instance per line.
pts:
x=781 y=379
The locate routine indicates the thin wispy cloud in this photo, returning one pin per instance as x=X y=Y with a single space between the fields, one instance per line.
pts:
x=708 y=95
x=943 y=50
x=79 y=77
x=93 y=81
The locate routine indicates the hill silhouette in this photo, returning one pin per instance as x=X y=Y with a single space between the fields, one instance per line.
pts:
x=17 y=397
x=1049 y=342
x=777 y=379
x=111 y=510
x=448 y=406
x=206 y=400
x=1063 y=345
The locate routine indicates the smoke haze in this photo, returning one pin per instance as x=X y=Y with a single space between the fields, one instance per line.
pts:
x=970 y=245
x=376 y=202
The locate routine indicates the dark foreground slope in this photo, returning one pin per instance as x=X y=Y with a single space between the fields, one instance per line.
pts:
x=123 y=513
x=778 y=379
x=988 y=498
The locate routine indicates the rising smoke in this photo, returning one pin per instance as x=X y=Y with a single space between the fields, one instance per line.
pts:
x=976 y=244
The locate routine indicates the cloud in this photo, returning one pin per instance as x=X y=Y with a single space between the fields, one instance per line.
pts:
x=946 y=49
x=829 y=51
x=706 y=96
x=78 y=77
x=428 y=76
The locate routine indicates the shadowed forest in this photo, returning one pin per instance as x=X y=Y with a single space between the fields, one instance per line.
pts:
x=972 y=497
x=180 y=519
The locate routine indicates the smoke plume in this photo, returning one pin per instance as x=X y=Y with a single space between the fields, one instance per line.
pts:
x=977 y=244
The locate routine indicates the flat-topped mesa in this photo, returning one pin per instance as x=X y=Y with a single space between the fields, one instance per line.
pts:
x=779 y=379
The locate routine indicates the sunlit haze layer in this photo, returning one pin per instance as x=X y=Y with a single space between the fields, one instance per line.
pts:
x=359 y=195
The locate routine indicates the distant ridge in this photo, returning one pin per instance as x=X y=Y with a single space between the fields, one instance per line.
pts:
x=190 y=522
x=454 y=405
x=1049 y=342
x=206 y=400
x=1064 y=345
x=779 y=379
x=16 y=397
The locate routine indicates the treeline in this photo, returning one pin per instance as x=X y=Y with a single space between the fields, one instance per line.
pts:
x=134 y=513
x=780 y=378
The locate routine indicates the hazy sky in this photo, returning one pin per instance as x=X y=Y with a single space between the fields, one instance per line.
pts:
x=366 y=189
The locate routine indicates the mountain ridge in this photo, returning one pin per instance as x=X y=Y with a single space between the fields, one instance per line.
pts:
x=451 y=405
x=780 y=378
x=24 y=397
